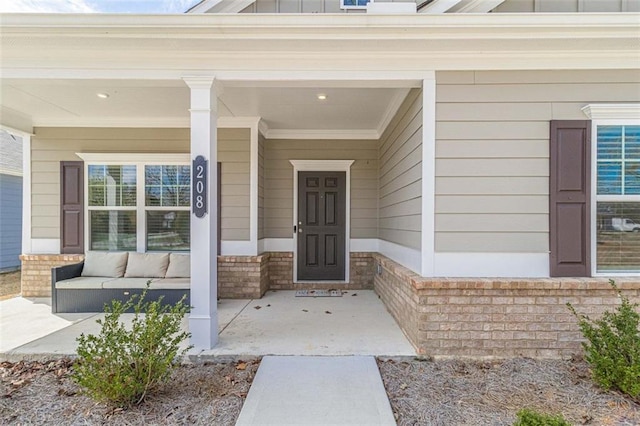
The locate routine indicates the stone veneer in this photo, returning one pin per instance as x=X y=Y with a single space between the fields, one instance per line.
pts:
x=501 y=318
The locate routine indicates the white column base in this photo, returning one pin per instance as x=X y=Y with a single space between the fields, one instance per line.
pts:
x=204 y=331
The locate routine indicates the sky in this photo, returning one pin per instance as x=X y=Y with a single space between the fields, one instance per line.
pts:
x=96 y=6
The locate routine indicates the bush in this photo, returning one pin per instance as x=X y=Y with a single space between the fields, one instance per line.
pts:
x=121 y=366
x=528 y=417
x=613 y=346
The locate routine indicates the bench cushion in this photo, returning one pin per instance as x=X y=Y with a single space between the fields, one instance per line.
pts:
x=179 y=266
x=147 y=265
x=80 y=283
x=171 y=284
x=124 y=283
x=104 y=264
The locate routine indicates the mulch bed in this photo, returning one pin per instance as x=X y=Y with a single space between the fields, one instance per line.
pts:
x=455 y=392
x=204 y=394
x=444 y=393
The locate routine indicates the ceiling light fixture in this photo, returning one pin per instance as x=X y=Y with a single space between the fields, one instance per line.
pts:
x=102 y=95
x=322 y=96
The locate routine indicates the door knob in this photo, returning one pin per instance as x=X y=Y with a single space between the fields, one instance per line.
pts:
x=300 y=230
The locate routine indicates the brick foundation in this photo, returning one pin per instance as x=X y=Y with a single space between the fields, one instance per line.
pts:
x=243 y=277
x=36 y=272
x=239 y=277
x=502 y=318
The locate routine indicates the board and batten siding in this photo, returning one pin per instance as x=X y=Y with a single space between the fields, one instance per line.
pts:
x=51 y=145
x=492 y=151
x=400 y=175
x=278 y=191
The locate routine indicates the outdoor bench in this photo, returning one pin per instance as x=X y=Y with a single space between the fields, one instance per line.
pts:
x=105 y=276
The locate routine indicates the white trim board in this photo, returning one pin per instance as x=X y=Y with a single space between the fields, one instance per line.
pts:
x=495 y=265
x=323 y=166
x=237 y=248
x=428 y=176
x=44 y=246
x=27 y=242
x=405 y=256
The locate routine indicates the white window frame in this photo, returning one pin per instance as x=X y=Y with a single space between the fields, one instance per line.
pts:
x=348 y=7
x=140 y=161
x=607 y=115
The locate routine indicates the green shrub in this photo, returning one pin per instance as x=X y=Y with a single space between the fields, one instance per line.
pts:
x=613 y=346
x=121 y=365
x=528 y=417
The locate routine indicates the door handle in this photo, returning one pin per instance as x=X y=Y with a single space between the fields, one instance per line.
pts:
x=300 y=230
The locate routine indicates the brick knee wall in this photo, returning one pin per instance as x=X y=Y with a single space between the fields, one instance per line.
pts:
x=484 y=318
x=242 y=277
x=36 y=272
x=281 y=270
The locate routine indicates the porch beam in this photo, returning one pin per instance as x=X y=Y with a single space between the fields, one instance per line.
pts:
x=203 y=319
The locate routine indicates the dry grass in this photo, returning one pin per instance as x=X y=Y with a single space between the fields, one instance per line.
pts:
x=9 y=284
x=491 y=393
x=43 y=393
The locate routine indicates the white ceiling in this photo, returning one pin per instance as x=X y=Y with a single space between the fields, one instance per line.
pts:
x=58 y=102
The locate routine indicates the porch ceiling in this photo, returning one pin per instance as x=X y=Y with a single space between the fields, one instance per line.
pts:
x=165 y=103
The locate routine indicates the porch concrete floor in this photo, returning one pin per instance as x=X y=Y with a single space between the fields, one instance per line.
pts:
x=283 y=325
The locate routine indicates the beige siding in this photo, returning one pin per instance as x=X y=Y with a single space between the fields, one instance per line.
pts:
x=278 y=192
x=400 y=175
x=261 y=143
x=492 y=149
x=234 y=146
x=49 y=146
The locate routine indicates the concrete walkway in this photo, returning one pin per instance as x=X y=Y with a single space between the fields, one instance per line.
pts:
x=317 y=391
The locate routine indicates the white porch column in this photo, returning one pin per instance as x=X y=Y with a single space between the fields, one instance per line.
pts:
x=203 y=320
x=428 y=174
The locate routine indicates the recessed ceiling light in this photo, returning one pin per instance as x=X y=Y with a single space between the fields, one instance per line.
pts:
x=322 y=96
x=102 y=95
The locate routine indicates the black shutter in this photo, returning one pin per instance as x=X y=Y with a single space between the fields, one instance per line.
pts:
x=71 y=207
x=570 y=199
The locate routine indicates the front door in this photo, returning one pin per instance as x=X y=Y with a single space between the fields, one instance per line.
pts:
x=321 y=225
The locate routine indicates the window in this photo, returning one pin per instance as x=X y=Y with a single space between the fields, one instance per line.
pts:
x=167 y=193
x=138 y=206
x=617 y=197
x=354 y=4
x=112 y=207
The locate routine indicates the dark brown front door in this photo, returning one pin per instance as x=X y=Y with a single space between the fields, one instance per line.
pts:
x=321 y=225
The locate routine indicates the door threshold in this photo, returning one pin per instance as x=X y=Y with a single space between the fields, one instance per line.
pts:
x=320 y=282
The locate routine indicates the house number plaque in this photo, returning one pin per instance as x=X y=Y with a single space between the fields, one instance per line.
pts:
x=199 y=186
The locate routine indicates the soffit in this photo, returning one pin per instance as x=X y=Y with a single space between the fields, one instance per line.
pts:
x=160 y=103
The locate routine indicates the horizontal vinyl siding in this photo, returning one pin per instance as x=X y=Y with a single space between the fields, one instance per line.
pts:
x=528 y=6
x=261 y=142
x=492 y=151
x=49 y=146
x=10 y=220
x=400 y=175
x=278 y=192
x=234 y=151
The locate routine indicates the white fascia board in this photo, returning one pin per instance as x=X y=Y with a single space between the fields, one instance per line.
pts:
x=230 y=25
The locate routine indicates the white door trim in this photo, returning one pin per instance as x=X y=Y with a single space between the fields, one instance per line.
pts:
x=323 y=166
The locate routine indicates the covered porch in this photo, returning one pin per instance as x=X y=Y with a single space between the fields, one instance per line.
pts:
x=278 y=324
